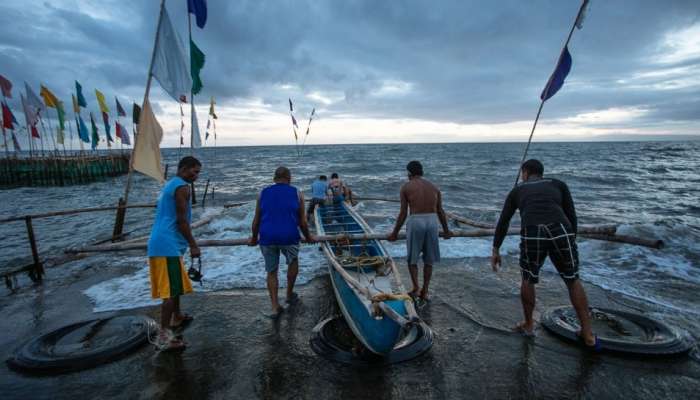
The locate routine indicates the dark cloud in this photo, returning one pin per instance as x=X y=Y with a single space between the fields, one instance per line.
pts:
x=455 y=61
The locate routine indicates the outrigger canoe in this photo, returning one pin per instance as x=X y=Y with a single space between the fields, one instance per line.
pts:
x=365 y=280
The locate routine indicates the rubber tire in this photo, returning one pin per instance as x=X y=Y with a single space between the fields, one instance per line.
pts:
x=32 y=357
x=324 y=345
x=676 y=342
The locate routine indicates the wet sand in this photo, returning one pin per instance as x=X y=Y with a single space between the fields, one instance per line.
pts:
x=235 y=352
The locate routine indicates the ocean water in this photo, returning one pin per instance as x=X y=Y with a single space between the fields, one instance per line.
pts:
x=650 y=188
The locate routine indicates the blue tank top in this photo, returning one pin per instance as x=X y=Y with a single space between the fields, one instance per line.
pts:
x=279 y=215
x=166 y=239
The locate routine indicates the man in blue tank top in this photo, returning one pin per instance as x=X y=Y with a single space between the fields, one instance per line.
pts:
x=279 y=214
x=170 y=237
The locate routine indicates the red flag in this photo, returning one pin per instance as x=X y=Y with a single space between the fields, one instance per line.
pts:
x=6 y=116
x=118 y=130
x=35 y=133
x=6 y=87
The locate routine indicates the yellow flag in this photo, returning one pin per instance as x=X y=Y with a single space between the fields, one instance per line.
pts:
x=101 y=101
x=76 y=107
x=49 y=98
x=147 y=147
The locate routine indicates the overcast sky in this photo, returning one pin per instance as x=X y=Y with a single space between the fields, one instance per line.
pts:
x=379 y=71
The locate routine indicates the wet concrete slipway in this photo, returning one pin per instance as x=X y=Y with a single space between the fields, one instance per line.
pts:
x=236 y=353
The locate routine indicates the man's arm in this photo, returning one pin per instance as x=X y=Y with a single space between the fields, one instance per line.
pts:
x=502 y=228
x=302 y=219
x=182 y=199
x=442 y=217
x=402 y=214
x=509 y=208
x=568 y=206
x=255 y=229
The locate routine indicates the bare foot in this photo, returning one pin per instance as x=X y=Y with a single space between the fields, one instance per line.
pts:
x=525 y=329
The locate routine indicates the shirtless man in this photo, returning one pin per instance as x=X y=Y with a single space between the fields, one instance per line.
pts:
x=425 y=203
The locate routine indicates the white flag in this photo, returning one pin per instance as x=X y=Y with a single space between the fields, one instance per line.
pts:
x=33 y=101
x=29 y=112
x=147 y=149
x=196 y=137
x=169 y=65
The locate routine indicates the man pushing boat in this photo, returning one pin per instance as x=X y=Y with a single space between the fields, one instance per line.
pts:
x=424 y=201
x=548 y=220
x=279 y=215
x=170 y=237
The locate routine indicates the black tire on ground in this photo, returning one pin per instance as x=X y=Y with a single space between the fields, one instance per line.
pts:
x=630 y=333
x=58 y=352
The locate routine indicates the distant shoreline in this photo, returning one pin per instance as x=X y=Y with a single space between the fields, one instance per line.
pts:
x=679 y=138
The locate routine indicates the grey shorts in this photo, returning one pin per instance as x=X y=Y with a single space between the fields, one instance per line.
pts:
x=422 y=238
x=271 y=254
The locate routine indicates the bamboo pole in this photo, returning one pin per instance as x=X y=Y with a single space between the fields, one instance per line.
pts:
x=70 y=212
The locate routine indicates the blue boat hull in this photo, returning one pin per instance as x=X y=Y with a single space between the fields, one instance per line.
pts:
x=379 y=334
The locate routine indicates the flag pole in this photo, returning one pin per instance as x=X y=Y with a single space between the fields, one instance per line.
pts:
x=145 y=97
x=549 y=83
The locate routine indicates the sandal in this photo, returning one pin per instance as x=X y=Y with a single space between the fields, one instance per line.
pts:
x=168 y=342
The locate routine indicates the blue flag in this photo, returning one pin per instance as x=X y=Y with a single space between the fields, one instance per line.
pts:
x=83 y=132
x=556 y=81
x=199 y=9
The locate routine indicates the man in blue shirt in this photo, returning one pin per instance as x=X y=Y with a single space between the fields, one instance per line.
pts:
x=319 y=191
x=279 y=214
x=171 y=235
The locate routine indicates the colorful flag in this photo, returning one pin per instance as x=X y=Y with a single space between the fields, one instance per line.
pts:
x=101 y=101
x=79 y=93
x=61 y=115
x=6 y=87
x=199 y=9
x=49 y=98
x=15 y=142
x=95 y=136
x=196 y=65
x=82 y=129
x=30 y=115
x=120 y=110
x=169 y=65
x=76 y=106
x=211 y=109
x=61 y=122
x=556 y=81
x=33 y=101
x=6 y=117
x=146 y=154
x=105 y=119
x=196 y=138
x=135 y=114
x=35 y=132
x=122 y=134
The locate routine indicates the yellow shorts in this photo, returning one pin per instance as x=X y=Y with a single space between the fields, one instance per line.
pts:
x=168 y=277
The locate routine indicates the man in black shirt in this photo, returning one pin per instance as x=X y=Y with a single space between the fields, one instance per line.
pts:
x=549 y=224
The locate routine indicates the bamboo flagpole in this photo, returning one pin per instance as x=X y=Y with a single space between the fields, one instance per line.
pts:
x=149 y=80
x=556 y=80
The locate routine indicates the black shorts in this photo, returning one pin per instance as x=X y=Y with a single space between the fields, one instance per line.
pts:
x=553 y=240
x=312 y=205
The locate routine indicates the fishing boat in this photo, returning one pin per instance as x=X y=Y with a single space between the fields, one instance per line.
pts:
x=365 y=280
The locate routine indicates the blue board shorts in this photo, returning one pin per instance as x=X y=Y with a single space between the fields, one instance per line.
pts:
x=271 y=254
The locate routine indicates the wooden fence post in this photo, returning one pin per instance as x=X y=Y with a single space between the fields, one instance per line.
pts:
x=38 y=272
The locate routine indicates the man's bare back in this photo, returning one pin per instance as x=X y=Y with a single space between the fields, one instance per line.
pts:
x=421 y=195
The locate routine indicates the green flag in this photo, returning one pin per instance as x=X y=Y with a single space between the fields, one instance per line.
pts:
x=95 y=136
x=196 y=65
x=81 y=98
x=61 y=122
